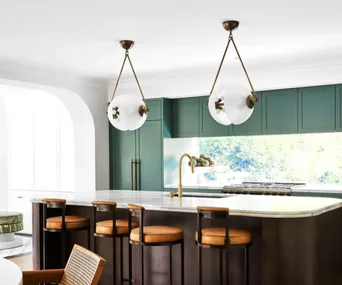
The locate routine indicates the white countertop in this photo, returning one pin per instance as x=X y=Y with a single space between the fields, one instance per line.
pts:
x=239 y=205
x=10 y=273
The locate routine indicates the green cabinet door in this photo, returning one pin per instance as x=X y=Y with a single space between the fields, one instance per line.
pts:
x=150 y=150
x=123 y=151
x=317 y=109
x=208 y=126
x=185 y=115
x=280 y=111
x=253 y=125
x=155 y=109
x=339 y=108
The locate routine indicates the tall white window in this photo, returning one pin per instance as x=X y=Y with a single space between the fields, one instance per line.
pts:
x=41 y=142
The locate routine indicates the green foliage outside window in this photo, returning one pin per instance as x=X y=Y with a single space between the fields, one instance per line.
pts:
x=311 y=158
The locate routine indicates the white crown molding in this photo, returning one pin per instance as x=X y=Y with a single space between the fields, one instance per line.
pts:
x=51 y=75
x=190 y=83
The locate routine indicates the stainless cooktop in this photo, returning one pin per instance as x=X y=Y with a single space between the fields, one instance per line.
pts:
x=262 y=188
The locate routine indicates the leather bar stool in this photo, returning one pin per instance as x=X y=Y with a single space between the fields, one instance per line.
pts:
x=216 y=238
x=105 y=229
x=153 y=236
x=61 y=224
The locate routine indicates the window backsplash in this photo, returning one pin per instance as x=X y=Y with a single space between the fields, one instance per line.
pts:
x=310 y=158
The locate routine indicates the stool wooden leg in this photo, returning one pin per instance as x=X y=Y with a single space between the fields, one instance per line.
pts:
x=227 y=265
x=121 y=261
x=44 y=250
x=199 y=265
x=182 y=262
x=63 y=248
x=114 y=260
x=221 y=271
x=142 y=265
x=88 y=238
x=247 y=265
x=94 y=244
x=170 y=264
x=129 y=263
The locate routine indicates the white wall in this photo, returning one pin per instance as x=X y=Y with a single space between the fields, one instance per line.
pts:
x=94 y=97
x=3 y=157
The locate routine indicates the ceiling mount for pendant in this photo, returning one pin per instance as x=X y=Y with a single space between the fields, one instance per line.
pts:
x=230 y=25
x=233 y=103
x=126 y=44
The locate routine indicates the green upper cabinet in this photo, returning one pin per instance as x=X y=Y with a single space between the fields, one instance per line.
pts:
x=155 y=109
x=185 y=118
x=150 y=156
x=122 y=151
x=317 y=109
x=339 y=108
x=280 y=111
x=253 y=125
x=208 y=126
x=144 y=145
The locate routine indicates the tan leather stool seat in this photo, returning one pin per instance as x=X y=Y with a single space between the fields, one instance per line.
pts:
x=158 y=234
x=71 y=222
x=217 y=236
x=106 y=227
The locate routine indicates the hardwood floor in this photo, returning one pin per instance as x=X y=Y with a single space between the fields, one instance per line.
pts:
x=24 y=262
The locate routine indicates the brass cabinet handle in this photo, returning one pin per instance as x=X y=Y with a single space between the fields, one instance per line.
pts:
x=132 y=174
x=137 y=175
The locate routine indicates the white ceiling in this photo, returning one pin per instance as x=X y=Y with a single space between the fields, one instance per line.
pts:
x=177 y=38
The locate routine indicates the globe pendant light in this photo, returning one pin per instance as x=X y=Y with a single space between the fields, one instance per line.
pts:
x=126 y=112
x=231 y=103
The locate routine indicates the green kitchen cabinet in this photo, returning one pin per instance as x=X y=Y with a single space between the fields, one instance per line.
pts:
x=280 y=111
x=150 y=148
x=143 y=147
x=317 y=109
x=155 y=109
x=339 y=108
x=208 y=126
x=122 y=151
x=253 y=125
x=185 y=118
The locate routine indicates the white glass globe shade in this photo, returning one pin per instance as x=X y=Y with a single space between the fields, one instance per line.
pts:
x=217 y=114
x=126 y=107
x=235 y=105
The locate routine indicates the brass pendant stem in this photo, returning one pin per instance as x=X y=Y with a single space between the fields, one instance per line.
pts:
x=219 y=69
x=245 y=70
x=117 y=82
x=251 y=100
x=136 y=79
x=127 y=44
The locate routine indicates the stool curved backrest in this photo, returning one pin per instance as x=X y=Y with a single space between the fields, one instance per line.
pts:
x=137 y=212
x=83 y=267
x=212 y=213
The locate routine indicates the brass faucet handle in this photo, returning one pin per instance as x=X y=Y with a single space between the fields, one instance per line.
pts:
x=171 y=194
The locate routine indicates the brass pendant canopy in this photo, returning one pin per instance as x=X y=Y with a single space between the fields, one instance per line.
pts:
x=126 y=44
x=230 y=25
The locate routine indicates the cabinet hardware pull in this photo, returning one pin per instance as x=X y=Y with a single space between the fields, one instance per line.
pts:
x=132 y=174
x=137 y=174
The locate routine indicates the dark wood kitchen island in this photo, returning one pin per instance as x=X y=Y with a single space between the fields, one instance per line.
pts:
x=296 y=240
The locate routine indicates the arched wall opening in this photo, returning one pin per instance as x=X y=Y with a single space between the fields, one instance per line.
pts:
x=82 y=127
